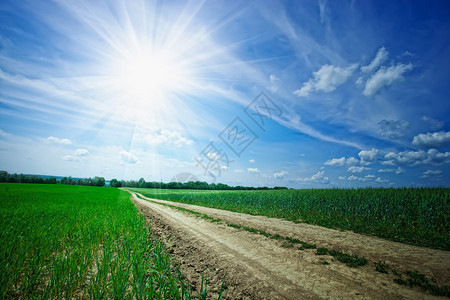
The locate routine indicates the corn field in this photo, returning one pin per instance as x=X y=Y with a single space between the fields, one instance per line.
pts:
x=418 y=216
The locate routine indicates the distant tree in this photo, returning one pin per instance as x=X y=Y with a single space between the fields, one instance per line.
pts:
x=98 y=181
x=141 y=182
x=51 y=180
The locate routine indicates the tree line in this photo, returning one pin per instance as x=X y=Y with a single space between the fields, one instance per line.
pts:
x=141 y=183
x=192 y=185
x=21 y=178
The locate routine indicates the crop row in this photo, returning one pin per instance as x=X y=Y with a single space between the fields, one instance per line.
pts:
x=79 y=242
x=419 y=216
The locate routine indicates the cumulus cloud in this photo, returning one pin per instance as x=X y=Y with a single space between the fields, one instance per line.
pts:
x=432 y=173
x=432 y=140
x=341 y=161
x=326 y=79
x=368 y=156
x=397 y=171
x=369 y=177
x=319 y=177
x=56 y=140
x=355 y=169
x=163 y=136
x=384 y=77
x=417 y=158
x=434 y=124
x=77 y=156
x=280 y=175
x=212 y=155
x=127 y=158
x=393 y=129
x=253 y=170
x=252 y=161
x=380 y=180
x=379 y=59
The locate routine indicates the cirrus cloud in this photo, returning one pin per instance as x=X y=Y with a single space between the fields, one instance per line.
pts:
x=379 y=59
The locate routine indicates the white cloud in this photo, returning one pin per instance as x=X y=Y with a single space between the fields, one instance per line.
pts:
x=385 y=77
x=431 y=173
x=212 y=155
x=393 y=129
x=432 y=140
x=127 y=158
x=416 y=158
x=368 y=156
x=280 y=175
x=355 y=169
x=56 y=140
x=353 y=178
x=341 y=161
x=252 y=161
x=163 y=136
x=434 y=124
x=78 y=155
x=326 y=79
x=81 y=152
x=238 y=171
x=379 y=59
x=397 y=171
x=369 y=177
x=253 y=170
x=380 y=180
x=319 y=177
x=274 y=81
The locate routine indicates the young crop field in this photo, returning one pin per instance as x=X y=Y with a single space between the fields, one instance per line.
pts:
x=67 y=242
x=419 y=216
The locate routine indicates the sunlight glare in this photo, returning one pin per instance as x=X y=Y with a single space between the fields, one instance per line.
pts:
x=150 y=74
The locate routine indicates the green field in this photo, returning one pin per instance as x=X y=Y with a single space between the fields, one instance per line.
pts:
x=420 y=216
x=60 y=241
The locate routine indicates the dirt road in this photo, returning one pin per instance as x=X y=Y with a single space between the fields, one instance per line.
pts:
x=256 y=267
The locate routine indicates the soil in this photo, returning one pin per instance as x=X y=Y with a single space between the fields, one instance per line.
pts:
x=252 y=266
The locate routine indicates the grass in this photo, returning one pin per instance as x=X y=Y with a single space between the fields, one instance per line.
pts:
x=63 y=241
x=381 y=267
x=416 y=279
x=419 y=216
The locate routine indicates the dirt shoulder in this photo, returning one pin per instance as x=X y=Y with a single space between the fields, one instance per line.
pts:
x=257 y=267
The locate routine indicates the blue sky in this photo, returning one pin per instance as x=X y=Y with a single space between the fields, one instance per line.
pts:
x=257 y=93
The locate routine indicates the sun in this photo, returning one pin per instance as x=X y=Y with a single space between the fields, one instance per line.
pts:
x=149 y=74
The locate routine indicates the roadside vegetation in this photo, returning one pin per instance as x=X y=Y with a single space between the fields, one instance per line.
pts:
x=419 y=216
x=61 y=241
